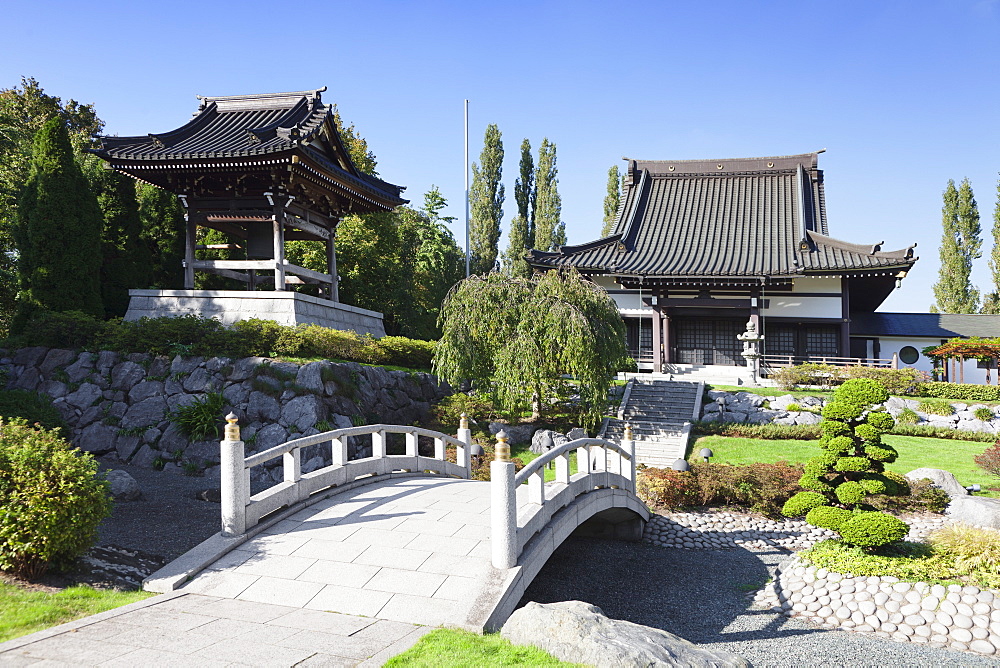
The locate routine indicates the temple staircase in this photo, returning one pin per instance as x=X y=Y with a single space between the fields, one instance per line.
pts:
x=660 y=412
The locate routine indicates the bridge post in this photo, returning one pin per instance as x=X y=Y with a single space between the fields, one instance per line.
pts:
x=462 y=456
x=503 y=506
x=235 y=487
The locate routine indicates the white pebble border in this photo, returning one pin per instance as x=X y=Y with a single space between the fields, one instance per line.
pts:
x=961 y=618
x=721 y=530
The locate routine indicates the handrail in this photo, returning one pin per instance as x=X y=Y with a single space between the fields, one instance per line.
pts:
x=241 y=511
x=600 y=464
x=776 y=359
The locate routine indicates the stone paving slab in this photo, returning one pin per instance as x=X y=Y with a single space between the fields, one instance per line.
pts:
x=185 y=629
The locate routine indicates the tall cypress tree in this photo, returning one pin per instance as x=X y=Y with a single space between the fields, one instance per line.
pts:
x=611 y=200
x=58 y=232
x=487 y=195
x=991 y=301
x=514 y=263
x=162 y=218
x=960 y=245
x=524 y=191
x=549 y=229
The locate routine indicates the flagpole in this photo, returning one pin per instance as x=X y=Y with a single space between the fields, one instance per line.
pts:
x=467 y=245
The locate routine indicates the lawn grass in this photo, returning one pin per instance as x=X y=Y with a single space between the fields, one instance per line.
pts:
x=456 y=649
x=914 y=452
x=524 y=453
x=770 y=391
x=24 y=611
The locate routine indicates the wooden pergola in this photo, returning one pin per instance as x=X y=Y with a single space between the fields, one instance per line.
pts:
x=987 y=350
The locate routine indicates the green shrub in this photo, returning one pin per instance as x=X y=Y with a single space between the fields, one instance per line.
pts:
x=401 y=351
x=806 y=374
x=984 y=414
x=69 y=329
x=907 y=416
x=943 y=432
x=921 y=496
x=842 y=411
x=936 y=407
x=51 y=500
x=845 y=464
x=264 y=338
x=200 y=420
x=873 y=529
x=802 y=432
x=874 y=484
x=850 y=493
x=333 y=344
x=899 y=483
x=905 y=381
x=802 y=503
x=972 y=548
x=666 y=489
x=33 y=407
x=793 y=407
x=960 y=391
x=828 y=517
x=881 y=452
x=760 y=487
x=834 y=429
x=449 y=410
x=880 y=420
x=861 y=392
x=838 y=445
x=989 y=460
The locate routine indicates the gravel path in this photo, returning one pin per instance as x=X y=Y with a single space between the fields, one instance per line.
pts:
x=705 y=597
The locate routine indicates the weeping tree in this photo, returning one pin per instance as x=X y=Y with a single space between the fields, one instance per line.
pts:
x=519 y=340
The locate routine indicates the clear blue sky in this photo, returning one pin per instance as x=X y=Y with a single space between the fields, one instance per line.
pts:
x=904 y=95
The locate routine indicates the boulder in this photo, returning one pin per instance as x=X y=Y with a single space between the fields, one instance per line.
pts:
x=750 y=398
x=145 y=390
x=55 y=359
x=126 y=375
x=978 y=511
x=941 y=479
x=198 y=381
x=147 y=413
x=98 y=438
x=263 y=407
x=781 y=403
x=81 y=368
x=303 y=412
x=575 y=433
x=544 y=440
x=123 y=486
x=580 y=633
x=310 y=377
x=517 y=434
x=805 y=417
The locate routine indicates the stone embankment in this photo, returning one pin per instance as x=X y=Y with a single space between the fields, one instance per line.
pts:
x=121 y=406
x=747 y=407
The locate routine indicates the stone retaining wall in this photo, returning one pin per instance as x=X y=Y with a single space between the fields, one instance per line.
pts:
x=953 y=616
x=119 y=405
x=757 y=409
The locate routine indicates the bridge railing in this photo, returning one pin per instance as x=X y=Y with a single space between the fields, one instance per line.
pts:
x=599 y=463
x=241 y=510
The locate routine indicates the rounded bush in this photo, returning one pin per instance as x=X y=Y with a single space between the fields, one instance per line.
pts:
x=832 y=428
x=846 y=464
x=873 y=529
x=873 y=485
x=802 y=503
x=844 y=411
x=850 y=493
x=826 y=460
x=881 y=452
x=867 y=432
x=814 y=483
x=51 y=500
x=828 y=517
x=839 y=445
x=815 y=469
x=861 y=391
x=896 y=483
x=880 y=420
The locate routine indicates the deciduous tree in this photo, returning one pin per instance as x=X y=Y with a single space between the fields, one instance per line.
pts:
x=516 y=339
x=58 y=231
x=611 y=200
x=991 y=300
x=487 y=196
x=524 y=190
x=960 y=245
x=514 y=263
x=162 y=221
x=550 y=231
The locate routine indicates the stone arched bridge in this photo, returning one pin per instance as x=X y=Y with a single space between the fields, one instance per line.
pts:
x=404 y=537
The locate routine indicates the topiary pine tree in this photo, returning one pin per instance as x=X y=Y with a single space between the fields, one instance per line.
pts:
x=850 y=468
x=58 y=232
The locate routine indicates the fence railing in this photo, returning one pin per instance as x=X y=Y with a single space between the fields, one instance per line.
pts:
x=599 y=464
x=778 y=361
x=241 y=510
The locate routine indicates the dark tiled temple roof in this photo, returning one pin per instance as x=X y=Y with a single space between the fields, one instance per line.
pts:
x=936 y=325
x=750 y=217
x=247 y=127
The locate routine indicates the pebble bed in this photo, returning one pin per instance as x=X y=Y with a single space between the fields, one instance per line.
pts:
x=954 y=617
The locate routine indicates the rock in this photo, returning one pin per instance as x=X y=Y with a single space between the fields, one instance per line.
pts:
x=263 y=407
x=198 y=381
x=517 y=434
x=580 y=633
x=81 y=368
x=941 y=479
x=127 y=446
x=575 y=433
x=145 y=390
x=146 y=457
x=30 y=356
x=975 y=510
x=805 y=417
x=126 y=375
x=270 y=436
x=733 y=416
x=123 y=486
x=98 y=438
x=303 y=412
x=710 y=408
x=781 y=403
x=147 y=413
x=310 y=377
x=210 y=495
x=544 y=440
x=55 y=359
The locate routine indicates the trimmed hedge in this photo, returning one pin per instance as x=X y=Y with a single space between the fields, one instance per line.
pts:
x=193 y=335
x=960 y=391
x=800 y=432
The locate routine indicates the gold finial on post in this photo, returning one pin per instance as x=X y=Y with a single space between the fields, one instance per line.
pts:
x=464 y=422
x=628 y=431
x=502 y=449
x=232 y=428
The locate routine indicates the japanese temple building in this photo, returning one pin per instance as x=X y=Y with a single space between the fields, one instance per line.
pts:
x=701 y=247
x=264 y=169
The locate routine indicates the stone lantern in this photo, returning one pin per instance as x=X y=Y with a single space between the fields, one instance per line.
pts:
x=751 y=350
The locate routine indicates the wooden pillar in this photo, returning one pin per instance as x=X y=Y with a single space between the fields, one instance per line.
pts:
x=668 y=355
x=845 y=312
x=278 y=231
x=331 y=265
x=190 y=237
x=657 y=336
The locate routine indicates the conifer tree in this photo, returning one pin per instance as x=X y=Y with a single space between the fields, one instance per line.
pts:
x=524 y=191
x=58 y=232
x=549 y=229
x=162 y=219
x=960 y=245
x=991 y=301
x=611 y=200
x=487 y=196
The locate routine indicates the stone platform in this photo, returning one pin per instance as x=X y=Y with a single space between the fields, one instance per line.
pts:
x=229 y=306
